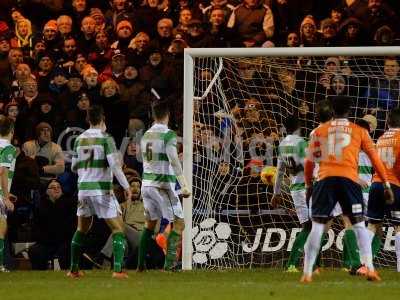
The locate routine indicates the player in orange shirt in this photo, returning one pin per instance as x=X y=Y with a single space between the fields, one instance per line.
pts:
x=388 y=146
x=335 y=146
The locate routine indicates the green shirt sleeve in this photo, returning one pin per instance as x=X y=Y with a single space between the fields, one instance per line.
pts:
x=7 y=156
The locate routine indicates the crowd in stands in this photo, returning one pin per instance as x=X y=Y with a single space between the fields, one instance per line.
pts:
x=59 y=57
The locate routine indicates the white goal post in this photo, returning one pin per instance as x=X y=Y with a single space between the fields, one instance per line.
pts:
x=192 y=93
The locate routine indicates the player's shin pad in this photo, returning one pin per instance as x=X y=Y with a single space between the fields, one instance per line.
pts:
x=172 y=244
x=118 y=250
x=76 y=246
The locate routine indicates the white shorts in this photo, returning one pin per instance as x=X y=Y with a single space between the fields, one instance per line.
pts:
x=103 y=206
x=302 y=210
x=161 y=203
x=337 y=210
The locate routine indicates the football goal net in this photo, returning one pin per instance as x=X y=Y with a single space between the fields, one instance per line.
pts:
x=236 y=101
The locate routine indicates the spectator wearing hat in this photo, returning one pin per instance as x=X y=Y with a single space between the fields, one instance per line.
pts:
x=38 y=47
x=124 y=31
x=54 y=224
x=351 y=33
x=115 y=70
x=86 y=38
x=101 y=53
x=47 y=113
x=58 y=81
x=131 y=86
x=196 y=36
x=309 y=36
x=76 y=116
x=164 y=35
x=253 y=23
x=101 y=24
x=23 y=36
x=47 y=154
x=91 y=83
x=45 y=63
x=80 y=62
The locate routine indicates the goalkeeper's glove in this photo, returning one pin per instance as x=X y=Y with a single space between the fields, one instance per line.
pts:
x=185 y=192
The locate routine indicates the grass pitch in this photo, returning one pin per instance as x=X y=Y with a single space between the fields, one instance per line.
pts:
x=232 y=284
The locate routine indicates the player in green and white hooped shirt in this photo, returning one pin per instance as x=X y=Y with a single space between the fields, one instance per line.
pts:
x=7 y=165
x=97 y=161
x=161 y=171
x=291 y=158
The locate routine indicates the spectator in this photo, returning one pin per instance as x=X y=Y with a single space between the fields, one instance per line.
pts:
x=76 y=116
x=50 y=35
x=91 y=83
x=100 y=55
x=54 y=225
x=351 y=33
x=86 y=38
x=382 y=94
x=45 y=67
x=116 y=111
x=48 y=155
x=309 y=36
x=64 y=26
x=293 y=40
x=375 y=15
x=23 y=36
x=124 y=31
x=138 y=52
x=68 y=54
x=130 y=85
x=222 y=5
x=185 y=15
x=148 y=15
x=164 y=35
x=115 y=70
x=253 y=23
x=329 y=31
x=131 y=156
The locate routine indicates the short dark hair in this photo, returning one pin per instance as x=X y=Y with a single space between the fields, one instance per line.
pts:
x=159 y=110
x=394 y=118
x=341 y=105
x=6 y=125
x=364 y=124
x=291 y=124
x=324 y=111
x=95 y=115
